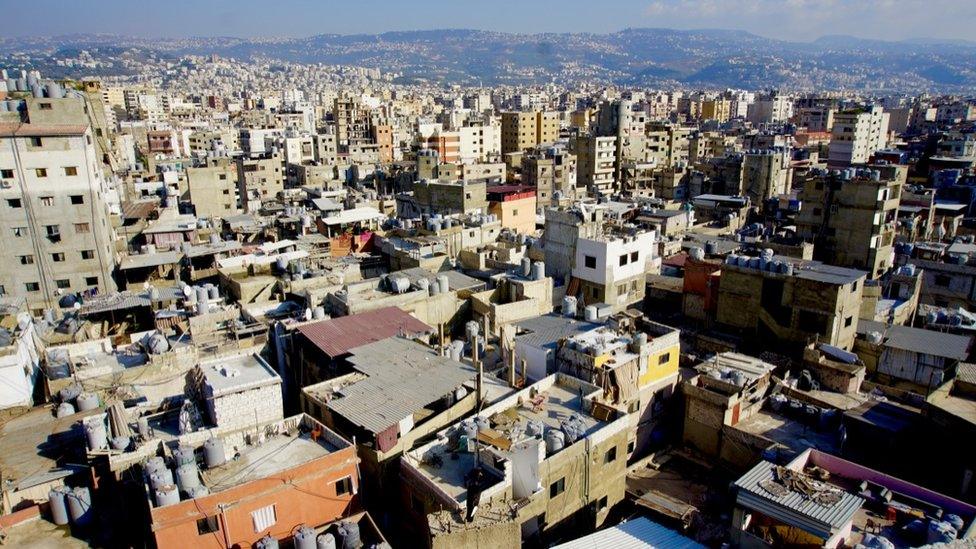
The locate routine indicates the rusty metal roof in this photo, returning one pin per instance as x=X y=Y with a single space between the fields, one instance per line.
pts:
x=336 y=336
x=41 y=130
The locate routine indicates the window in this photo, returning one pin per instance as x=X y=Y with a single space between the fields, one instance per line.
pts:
x=52 y=230
x=40 y=172
x=82 y=228
x=942 y=280
x=664 y=359
x=264 y=518
x=47 y=200
x=622 y=289
x=623 y=260
x=631 y=446
x=63 y=283
x=610 y=456
x=77 y=199
x=20 y=231
x=817 y=212
x=601 y=504
x=343 y=486
x=634 y=256
x=26 y=260
x=91 y=281
x=70 y=170
x=557 y=487
x=13 y=202
x=589 y=261
x=6 y=174
x=33 y=287
x=45 y=106
x=88 y=254
x=848 y=321
x=58 y=257
x=515 y=211
x=207 y=525
x=36 y=141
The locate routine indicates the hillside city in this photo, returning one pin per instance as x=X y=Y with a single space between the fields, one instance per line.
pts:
x=366 y=294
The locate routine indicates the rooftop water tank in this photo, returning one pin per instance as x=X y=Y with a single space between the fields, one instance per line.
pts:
x=696 y=253
x=213 y=453
x=305 y=538
x=538 y=270
x=555 y=441
x=183 y=454
x=569 y=306
x=318 y=313
x=96 y=433
x=444 y=283
x=65 y=409
x=399 y=284
x=590 y=313
x=187 y=477
x=120 y=443
x=213 y=292
x=435 y=287
x=325 y=541
x=471 y=329
x=57 y=501
x=526 y=267
x=167 y=494
x=267 y=542
x=79 y=505
x=349 y=537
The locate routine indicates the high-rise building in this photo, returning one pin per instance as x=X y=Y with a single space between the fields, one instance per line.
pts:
x=856 y=135
x=57 y=234
x=525 y=130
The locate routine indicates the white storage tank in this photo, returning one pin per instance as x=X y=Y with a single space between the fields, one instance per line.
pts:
x=213 y=453
x=79 y=505
x=187 y=477
x=87 y=401
x=167 y=494
x=305 y=538
x=58 y=502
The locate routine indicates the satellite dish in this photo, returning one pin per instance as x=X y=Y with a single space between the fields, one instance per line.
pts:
x=187 y=291
x=77 y=305
x=308 y=314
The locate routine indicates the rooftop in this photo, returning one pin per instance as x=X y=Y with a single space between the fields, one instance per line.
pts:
x=336 y=336
x=918 y=340
x=403 y=377
x=238 y=373
x=277 y=453
x=639 y=532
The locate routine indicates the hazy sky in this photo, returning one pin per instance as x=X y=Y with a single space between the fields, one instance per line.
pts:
x=788 y=19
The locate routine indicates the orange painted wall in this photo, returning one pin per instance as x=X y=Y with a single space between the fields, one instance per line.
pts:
x=302 y=495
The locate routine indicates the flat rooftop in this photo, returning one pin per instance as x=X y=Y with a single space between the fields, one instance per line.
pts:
x=274 y=455
x=238 y=373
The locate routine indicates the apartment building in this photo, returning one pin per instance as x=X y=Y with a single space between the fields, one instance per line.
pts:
x=851 y=216
x=259 y=178
x=550 y=171
x=790 y=300
x=611 y=267
x=56 y=228
x=214 y=190
x=596 y=163
x=525 y=130
x=515 y=206
x=856 y=135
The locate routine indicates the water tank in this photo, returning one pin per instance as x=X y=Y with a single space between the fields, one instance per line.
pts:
x=57 y=501
x=120 y=443
x=788 y=269
x=534 y=428
x=755 y=263
x=940 y=532
x=348 y=533
x=213 y=453
x=456 y=350
x=187 y=477
x=167 y=494
x=696 y=253
x=154 y=294
x=555 y=441
x=199 y=492
x=589 y=313
x=267 y=542
x=154 y=465
x=160 y=478
x=569 y=306
x=96 y=433
x=435 y=287
x=874 y=338
x=731 y=259
x=157 y=344
x=767 y=254
x=318 y=313
x=422 y=284
x=955 y=521
x=640 y=340
x=183 y=454
x=435 y=225
x=201 y=292
x=538 y=270
x=444 y=283
x=710 y=247
x=213 y=292
x=281 y=264
x=79 y=505
x=203 y=306
x=325 y=541
x=471 y=329
x=743 y=261
x=399 y=284
x=143 y=427
x=305 y=538
x=65 y=409
x=526 y=267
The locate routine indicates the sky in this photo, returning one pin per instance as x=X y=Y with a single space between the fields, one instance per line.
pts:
x=801 y=20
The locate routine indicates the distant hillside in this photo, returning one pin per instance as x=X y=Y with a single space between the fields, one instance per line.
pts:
x=710 y=58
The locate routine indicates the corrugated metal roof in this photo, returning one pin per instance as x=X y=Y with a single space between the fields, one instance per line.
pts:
x=404 y=376
x=793 y=507
x=548 y=329
x=919 y=340
x=139 y=210
x=41 y=130
x=336 y=336
x=639 y=532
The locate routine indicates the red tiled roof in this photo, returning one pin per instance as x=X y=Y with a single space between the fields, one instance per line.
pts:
x=336 y=336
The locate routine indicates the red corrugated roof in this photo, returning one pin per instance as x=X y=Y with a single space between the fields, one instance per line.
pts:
x=336 y=336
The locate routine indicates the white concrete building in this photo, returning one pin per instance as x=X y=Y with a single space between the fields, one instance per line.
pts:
x=856 y=135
